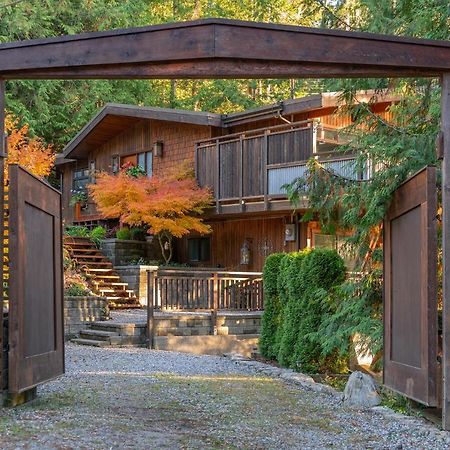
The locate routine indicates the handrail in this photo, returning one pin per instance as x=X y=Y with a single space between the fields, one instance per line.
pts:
x=258 y=131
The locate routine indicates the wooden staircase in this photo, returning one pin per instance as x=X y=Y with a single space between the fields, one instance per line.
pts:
x=100 y=274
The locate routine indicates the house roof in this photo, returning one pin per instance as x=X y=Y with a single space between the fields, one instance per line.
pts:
x=221 y=48
x=114 y=118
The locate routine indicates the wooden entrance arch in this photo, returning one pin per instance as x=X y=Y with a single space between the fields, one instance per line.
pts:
x=217 y=48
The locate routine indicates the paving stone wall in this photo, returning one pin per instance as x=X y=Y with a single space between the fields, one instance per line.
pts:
x=80 y=310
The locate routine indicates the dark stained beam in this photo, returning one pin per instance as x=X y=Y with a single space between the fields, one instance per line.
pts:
x=218 y=69
x=219 y=48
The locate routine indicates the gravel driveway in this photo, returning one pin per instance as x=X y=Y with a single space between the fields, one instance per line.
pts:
x=128 y=398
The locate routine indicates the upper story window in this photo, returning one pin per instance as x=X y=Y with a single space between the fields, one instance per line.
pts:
x=144 y=160
x=80 y=179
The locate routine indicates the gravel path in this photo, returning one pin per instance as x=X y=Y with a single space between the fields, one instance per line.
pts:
x=129 y=398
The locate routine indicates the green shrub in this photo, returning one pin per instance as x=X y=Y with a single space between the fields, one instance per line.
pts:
x=123 y=233
x=282 y=281
x=271 y=317
x=354 y=308
x=97 y=235
x=138 y=234
x=77 y=231
x=76 y=290
x=292 y=311
x=321 y=270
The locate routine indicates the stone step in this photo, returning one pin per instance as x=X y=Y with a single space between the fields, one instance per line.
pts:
x=122 y=329
x=91 y=342
x=97 y=335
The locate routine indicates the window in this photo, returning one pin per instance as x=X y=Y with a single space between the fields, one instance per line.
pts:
x=144 y=160
x=92 y=171
x=199 y=249
x=115 y=164
x=80 y=179
x=337 y=243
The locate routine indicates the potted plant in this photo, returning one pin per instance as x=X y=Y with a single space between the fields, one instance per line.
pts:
x=79 y=197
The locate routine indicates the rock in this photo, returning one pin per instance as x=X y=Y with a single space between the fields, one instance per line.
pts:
x=361 y=391
x=236 y=357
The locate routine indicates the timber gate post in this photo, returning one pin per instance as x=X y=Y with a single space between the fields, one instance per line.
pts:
x=445 y=128
x=3 y=335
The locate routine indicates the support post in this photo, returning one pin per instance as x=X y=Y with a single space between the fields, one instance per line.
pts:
x=150 y=309
x=445 y=127
x=216 y=294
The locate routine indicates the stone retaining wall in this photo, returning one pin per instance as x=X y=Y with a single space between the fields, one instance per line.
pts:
x=121 y=252
x=80 y=310
x=228 y=324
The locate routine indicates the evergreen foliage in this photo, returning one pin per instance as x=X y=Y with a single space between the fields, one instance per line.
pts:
x=292 y=312
x=270 y=321
x=321 y=270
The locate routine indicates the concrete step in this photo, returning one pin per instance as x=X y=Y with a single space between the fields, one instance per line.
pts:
x=91 y=342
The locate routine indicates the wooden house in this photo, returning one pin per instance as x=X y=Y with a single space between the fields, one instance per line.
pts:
x=245 y=157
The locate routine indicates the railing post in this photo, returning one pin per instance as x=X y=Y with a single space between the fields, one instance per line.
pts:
x=150 y=309
x=216 y=293
x=265 y=172
x=217 y=177
x=241 y=172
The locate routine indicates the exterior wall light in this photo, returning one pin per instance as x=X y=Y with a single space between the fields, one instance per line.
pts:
x=245 y=253
x=158 y=149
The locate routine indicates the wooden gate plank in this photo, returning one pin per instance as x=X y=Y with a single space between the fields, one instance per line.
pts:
x=410 y=289
x=36 y=335
x=445 y=127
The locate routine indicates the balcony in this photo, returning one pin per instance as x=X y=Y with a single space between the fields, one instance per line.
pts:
x=246 y=171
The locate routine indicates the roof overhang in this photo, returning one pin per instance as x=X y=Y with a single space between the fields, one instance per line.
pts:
x=113 y=119
x=220 y=48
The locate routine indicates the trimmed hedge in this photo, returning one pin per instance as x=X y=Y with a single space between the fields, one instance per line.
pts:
x=295 y=309
x=292 y=312
x=272 y=307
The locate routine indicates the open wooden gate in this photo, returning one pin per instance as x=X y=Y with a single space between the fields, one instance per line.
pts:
x=36 y=335
x=410 y=290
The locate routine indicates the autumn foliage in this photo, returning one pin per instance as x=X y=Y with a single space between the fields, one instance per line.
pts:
x=30 y=152
x=170 y=206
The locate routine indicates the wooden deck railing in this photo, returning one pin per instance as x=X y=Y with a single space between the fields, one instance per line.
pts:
x=252 y=166
x=197 y=290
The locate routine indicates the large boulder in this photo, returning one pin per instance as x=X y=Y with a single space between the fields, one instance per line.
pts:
x=361 y=391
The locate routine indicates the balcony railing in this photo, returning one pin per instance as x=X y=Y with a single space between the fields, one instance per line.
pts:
x=252 y=167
